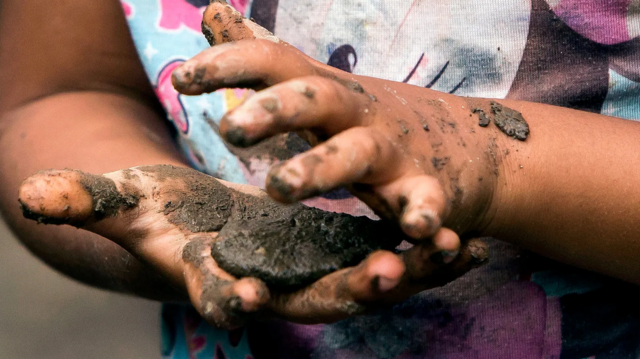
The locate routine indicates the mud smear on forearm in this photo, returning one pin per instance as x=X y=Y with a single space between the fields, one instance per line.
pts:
x=285 y=246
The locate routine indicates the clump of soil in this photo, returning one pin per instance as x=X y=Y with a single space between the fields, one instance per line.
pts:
x=285 y=246
x=483 y=119
x=291 y=246
x=510 y=121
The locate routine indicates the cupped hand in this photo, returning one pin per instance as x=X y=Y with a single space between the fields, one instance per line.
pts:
x=169 y=217
x=414 y=155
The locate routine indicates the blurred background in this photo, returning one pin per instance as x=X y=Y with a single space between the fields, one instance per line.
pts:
x=44 y=315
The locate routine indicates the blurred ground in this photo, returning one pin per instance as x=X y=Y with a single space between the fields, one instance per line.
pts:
x=44 y=315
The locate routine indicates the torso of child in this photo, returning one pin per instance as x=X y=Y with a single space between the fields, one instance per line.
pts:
x=573 y=53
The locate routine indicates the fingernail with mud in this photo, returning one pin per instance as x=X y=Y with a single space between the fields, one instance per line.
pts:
x=237 y=136
x=420 y=224
x=444 y=257
x=186 y=79
x=245 y=125
x=277 y=187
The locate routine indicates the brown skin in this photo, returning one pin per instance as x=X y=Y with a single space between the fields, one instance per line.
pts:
x=61 y=95
x=558 y=193
x=137 y=219
x=79 y=98
x=545 y=208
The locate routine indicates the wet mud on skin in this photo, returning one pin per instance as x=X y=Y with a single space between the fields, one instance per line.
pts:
x=29 y=214
x=204 y=205
x=285 y=246
x=106 y=200
x=439 y=163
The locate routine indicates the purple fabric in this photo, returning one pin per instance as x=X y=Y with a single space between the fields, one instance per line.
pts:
x=602 y=21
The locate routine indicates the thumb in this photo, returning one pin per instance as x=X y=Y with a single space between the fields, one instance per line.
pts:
x=222 y=23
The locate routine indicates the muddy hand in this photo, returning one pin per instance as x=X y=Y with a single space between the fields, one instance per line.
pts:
x=169 y=217
x=412 y=154
x=383 y=279
x=156 y=213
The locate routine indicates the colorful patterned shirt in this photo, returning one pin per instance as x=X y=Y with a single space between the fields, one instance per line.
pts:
x=581 y=54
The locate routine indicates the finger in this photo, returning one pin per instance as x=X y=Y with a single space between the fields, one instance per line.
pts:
x=383 y=278
x=343 y=293
x=313 y=102
x=325 y=301
x=221 y=23
x=340 y=294
x=388 y=278
x=434 y=265
x=424 y=259
x=220 y=298
x=381 y=272
x=248 y=64
x=420 y=202
x=358 y=154
x=74 y=197
x=427 y=265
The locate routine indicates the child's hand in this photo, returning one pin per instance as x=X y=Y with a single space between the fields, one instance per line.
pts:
x=412 y=154
x=168 y=217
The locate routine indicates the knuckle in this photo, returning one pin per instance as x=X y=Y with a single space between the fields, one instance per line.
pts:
x=325 y=88
x=369 y=143
x=309 y=87
x=267 y=45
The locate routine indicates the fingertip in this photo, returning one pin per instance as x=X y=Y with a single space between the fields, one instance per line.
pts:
x=420 y=204
x=278 y=187
x=187 y=80
x=386 y=265
x=237 y=136
x=55 y=197
x=446 y=240
x=446 y=244
x=253 y=294
x=420 y=223
x=380 y=273
x=179 y=79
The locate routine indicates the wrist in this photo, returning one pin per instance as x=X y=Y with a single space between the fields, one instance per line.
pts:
x=485 y=167
x=502 y=158
x=465 y=159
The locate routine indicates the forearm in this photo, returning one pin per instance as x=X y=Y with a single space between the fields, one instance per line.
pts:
x=74 y=94
x=98 y=133
x=570 y=190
